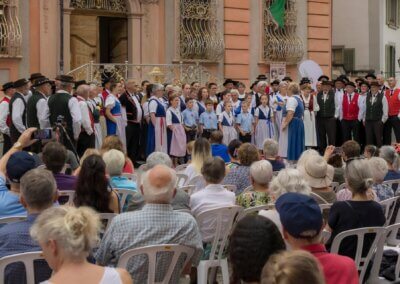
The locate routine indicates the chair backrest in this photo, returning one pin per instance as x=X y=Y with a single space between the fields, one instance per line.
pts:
x=67 y=193
x=142 y=168
x=392 y=239
x=181 y=168
x=360 y=260
x=187 y=188
x=27 y=259
x=123 y=195
x=247 y=189
x=10 y=219
x=151 y=252
x=253 y=210
x=388 y=207
x=223 y=219
x=106 y=219
x=325 y=206
x=335 y=186
x=230 y=187
x=132 y=177
x=325 y=236
x=342 y=186
x=198 y=181
x=394 y=184
x=181 y=179
x=318 y=198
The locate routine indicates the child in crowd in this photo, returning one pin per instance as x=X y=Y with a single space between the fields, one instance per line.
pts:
x=264 y=122
x=190 y=120
x=218 y=149
x=225 y=98
x=208 y=120
x=245 y=123
x=233 y=148
x=227 y=124
x=175 y=133
x=371 y=151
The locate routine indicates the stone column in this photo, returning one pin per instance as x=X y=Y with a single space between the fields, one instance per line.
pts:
x=67 y=40
x=134 y=38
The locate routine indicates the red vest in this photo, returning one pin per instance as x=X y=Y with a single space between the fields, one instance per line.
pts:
x=90 y=113
x=393 y=101
x=7 y=100
x=350 y=110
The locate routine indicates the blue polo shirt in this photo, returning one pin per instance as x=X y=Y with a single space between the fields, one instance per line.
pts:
x=245 y=120
x=9 y=201
x=209 y=120
x=190 y=117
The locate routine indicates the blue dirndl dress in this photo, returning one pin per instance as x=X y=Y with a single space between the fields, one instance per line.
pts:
x=296 y=139
x=112 y=126
x=156 y=134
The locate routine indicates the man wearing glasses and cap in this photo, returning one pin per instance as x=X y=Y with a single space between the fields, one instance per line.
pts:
x=18 y=109
x=5 y=118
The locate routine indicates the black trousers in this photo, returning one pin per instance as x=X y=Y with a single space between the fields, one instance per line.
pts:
x=393 y=122
x=207 y=133
x=245 y=138
x=326 y=128
x=339 y=139
x=133 y=133
x=191 y=135
x=143 y=142
x=374 y=132
x=362 y=135
x=7 y=143
x=350 y=130
x=85 y=142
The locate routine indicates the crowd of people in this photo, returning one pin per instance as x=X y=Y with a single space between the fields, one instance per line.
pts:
x=233 y=148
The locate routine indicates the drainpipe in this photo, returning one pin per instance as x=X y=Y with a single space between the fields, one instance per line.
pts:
x=61 y=36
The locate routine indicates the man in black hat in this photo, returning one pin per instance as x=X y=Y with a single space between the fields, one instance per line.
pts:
x=5 y=118
x=287 y=79
x=87 y=137
x=364 y=91
x=326 y=116
x=18 y=109
x=339 y=92
x=381 y=82
x=66 y=107
x=228 y=85
x=370 y=77
x=274 y=91
x=261 y=77
x=305 y=81
x=350 y=113
x=376 y=114
x=323 y=78
x=358 y=84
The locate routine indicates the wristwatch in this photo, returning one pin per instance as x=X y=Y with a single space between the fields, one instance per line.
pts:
x=17 y=145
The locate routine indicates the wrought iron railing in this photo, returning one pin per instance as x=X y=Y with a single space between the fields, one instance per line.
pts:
x=161 y=73
x=10 y=29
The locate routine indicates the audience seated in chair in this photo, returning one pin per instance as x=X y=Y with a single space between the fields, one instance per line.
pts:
x=113 y=142
x=302 y=228
x=92 y=187
x=181 y=199
x=388 y=153
x=270 y=151
x=233 y=148
x=252 y=242
x=358 y=212
x=379 y=169
x=156 y=223
x=218 y=149
x=14 y=164
x=67 y=235
x=115 y=161
x=214 y=195
x=240 y=176
x=260 y=177
x=38 y=192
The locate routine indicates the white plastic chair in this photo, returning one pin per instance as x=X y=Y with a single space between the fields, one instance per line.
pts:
x=342 y=186
x=106 y=219
x=187 y=188
x=230 y=187
x=198 y=181
x=274 y=174
x=253 y=210
x=392 y=239
x=394 y=183
x=69 y=193
x=325 y=206
x=142 y=168
x=389 y=205
x=27 y=259
x=181 y=179
x=181 y=168
x=223 y=218
x=318 y=198
x=247 y=189
x=151 y=252
x=11 y=219
x=335 y=186
x=123 y=195
x=361 y=262
x=132 y=177
x=325 y=236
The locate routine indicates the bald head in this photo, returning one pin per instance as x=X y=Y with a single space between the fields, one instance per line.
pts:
x=83 y=91
x=159 y=185
x=131 y=86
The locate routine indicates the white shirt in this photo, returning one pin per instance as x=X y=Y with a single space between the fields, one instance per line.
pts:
x=229 y=117
x=219 y=108
x=362 y=99
x=139 y=116
x=153 y=104
x=4 y=112
x=210 y=197
x=263 y=109
x=16 y=116
x=176 y=111
x=42 y=116
x=86 y=122
x=359 y=103
x=291 y=104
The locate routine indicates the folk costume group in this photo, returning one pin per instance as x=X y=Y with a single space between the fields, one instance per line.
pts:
x=155 y=117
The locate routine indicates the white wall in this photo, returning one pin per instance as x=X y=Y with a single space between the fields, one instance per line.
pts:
x=350 y=29
x=389 y=36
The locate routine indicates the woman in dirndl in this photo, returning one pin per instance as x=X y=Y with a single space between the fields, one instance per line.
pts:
x=176 y=134
x=227 y=124
x=310 y=107
x=264 y=122
x=157 y=128
x=114 y=114
x=294 y=123
x=202 y=97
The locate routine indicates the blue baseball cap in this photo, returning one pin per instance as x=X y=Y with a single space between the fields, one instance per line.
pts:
x=300 y=215
x=18 y=164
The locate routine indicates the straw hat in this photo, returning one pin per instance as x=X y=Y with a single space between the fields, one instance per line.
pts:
x=317 y=172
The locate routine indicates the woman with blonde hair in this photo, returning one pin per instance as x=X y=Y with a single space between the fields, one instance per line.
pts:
x=201 y=151
x=292 y=267
x=67 y=235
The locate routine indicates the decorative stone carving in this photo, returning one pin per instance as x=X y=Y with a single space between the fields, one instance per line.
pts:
x=10 y=29
x=149 y=1
x=109 y=5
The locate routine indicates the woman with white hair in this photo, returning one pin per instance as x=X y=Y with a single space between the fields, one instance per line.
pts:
x=388 y=153
x=270 y=152
x=260 y=177
x=67 y=235
x=261 y=90
x=288 y=180
x=157 y=129
x=310 y=107
x=379 y=169
x=236 y=103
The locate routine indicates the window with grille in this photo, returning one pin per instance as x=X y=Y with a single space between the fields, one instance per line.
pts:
x=345 y=57
x=10 y=29
x=200 y=38
x=390 y=54
x=392 y=13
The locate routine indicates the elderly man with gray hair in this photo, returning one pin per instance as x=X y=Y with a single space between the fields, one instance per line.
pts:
x=157 y=223
x=270 y=151
x=379 y=169
x=181 y=199
x=86 y=138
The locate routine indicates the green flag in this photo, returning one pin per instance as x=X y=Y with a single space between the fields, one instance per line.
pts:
x=277 y=11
